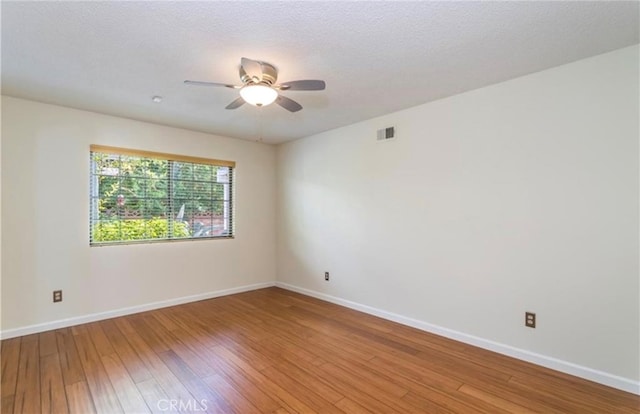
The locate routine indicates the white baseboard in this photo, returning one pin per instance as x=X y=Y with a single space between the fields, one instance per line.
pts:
x=590 y=374
x=63 y=323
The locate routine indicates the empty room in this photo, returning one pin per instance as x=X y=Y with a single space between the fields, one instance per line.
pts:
x=320 y=207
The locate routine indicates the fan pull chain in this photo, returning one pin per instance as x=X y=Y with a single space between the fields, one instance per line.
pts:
x=260 y=124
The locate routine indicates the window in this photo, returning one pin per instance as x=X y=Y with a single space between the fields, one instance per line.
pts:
x=141 y=196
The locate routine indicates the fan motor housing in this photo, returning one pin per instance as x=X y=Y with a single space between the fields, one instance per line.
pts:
x=269 y=74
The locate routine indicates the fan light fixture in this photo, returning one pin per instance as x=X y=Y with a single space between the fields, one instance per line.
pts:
x=259 y=87
x=258 y=95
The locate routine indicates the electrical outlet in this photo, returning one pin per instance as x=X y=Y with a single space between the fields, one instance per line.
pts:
x=326 y=276
x=530 y=319
x=57 y=296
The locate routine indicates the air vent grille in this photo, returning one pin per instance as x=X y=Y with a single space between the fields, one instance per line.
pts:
x=386 y=133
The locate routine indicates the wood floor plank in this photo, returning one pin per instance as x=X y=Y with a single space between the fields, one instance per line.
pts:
x=286 y=349
x=375 y=391
x=355 y=362
x=204 y=396
x=10 y=356
x=437 y=360
x=104 y=396
x=203 y=333
x=78 y=329
x=467 y=369
x=52 y=393
x=495 y=400
x=186 y=347
x=70 y=362
x=163 y=318
x=251 y=329
x=276 y=351
x=330 y=409
x=428 y=406
x=445 y=367
x=349 y=406
x=563 y=400
x=170 y=384
x=292 y=366
x=426 y=390
x=356 y=393
x=79 y=398
x=235 y=399
x=27 y=394
x=153 y=395
x=289 y=399
x=322 y=323
x=373 y=377
x=123 y=385
x=6 y=404
x=562 y=384
x=130 y=359
x=335 y=346
x=420 y=375
x=159 y=343
x=48 y=343
x=437 y=402
x=303 y=392
x=252 y=391
x=100 y=341
x=303 y=377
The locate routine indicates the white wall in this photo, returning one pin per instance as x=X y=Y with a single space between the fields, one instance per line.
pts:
x=515 y=197
x=45 y=216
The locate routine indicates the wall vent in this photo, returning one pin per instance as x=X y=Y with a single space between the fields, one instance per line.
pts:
x=386 y=133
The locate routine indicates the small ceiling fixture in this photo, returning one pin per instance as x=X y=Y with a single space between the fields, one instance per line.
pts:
x=259 y=87
x=157 y=99
x=258 y=95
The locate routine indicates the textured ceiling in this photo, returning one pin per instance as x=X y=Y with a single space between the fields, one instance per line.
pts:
x=376 y=57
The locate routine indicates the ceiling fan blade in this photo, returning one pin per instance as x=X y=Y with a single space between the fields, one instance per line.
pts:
x=253 y=68
x=200 y=83
x=288 y=104
x=303 y=85
x=235 y=104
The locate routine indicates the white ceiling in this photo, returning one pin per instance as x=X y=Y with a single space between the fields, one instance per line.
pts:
x=376 y=57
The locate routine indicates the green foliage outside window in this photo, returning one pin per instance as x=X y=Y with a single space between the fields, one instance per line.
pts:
x=137 y=229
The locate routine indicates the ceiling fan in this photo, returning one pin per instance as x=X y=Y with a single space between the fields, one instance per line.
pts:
x=259 y=86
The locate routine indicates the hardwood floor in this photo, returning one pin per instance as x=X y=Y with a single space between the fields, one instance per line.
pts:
x=274 y=351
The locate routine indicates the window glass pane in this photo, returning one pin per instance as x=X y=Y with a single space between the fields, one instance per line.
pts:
x=108 y=205
x=157 y=228
x=182 y=189
x=133 y=186
x=157 y=168
x=136 y=198
x=181 y=208
x=133 y=229
x=156 y=207
x=106 y=231
x=131 y=166
x=203 y=172
x=157 y=188
x=202 y=191
x=182 y=171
